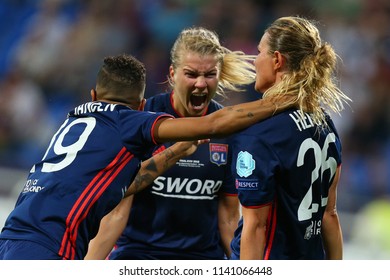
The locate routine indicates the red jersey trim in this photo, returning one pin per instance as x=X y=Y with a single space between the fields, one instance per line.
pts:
x=154 y=125
x=270 y=232
x=229 y=194
x=86 y=200
x=257 y=206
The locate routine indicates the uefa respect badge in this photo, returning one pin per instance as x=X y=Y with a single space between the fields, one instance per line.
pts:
x=245 y=164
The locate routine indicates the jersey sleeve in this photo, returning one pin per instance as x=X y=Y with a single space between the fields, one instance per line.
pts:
x=138 y=130
x=254 y=166
x=229 y=187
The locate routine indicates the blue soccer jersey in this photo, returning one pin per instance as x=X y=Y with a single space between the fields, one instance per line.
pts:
x=90 y=162
x=176 y=217
x=289 y=163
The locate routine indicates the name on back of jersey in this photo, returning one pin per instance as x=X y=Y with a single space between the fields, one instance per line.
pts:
x=91 y=107
x=302 y=120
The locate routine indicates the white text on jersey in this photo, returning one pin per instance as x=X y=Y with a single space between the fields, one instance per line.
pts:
x=302 y=120
x=186 y=188
x=91 y=107
x=32 y=186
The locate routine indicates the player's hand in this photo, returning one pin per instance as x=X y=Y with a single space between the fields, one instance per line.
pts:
x=187 y=148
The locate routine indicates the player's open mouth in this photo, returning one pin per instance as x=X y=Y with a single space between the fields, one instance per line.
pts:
x=198 y=101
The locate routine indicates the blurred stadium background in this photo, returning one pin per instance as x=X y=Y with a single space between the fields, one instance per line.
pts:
x=50 y=51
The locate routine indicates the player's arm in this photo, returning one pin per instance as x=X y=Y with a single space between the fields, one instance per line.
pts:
x=228 y=217
x=161 y=162
x=113 y=224
x=221 y=123
x=111 y=227
x=253 y=233
x=331 y=229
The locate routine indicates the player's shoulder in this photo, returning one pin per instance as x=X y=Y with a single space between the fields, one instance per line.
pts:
x=160 y=97
x=158 y=102
x=214 y=106
x=277 y=124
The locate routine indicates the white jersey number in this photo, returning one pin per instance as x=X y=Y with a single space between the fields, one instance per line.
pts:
x=71 y=150
x=307 y=206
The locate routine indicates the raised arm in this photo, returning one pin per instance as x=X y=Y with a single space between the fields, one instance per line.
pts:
x=113 y=224
x=220 y=123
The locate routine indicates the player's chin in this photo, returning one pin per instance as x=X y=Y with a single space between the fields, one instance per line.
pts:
x=257 y=87
x=198 y=111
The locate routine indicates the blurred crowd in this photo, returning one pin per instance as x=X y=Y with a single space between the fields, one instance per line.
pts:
x=50 y=51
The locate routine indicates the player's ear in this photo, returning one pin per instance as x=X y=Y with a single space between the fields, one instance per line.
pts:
x=279 y=60
x=93 y=95
x=171 y=73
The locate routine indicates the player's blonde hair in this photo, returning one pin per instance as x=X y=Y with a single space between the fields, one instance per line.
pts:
x=236 y=68
x=311 y=65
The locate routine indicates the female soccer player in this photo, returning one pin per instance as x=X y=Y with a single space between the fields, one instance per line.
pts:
x=288 y=166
